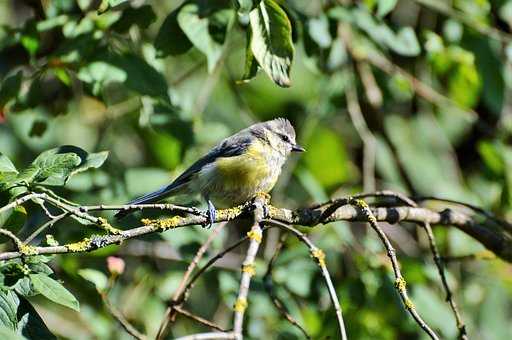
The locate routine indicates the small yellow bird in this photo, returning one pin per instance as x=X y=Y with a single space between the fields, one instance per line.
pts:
x=241 y=166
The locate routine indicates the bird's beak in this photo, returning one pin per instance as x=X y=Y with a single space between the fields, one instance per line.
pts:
x=298 y=148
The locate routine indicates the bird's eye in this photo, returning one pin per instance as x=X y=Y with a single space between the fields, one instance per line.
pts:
x=285 y=138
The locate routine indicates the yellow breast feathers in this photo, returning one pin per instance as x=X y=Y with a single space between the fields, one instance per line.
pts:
x=249 y=169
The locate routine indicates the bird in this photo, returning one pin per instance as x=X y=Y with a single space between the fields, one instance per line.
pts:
x=237 y=169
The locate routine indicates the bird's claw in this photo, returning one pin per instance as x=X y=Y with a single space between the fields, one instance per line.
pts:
x=266 y=211
x=212 y=215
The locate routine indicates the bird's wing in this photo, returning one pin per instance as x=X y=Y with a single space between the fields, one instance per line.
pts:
x=229 y=147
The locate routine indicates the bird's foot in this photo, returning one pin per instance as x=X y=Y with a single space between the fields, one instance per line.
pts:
x=263 y=195
x=266 y=202
x=212 y=215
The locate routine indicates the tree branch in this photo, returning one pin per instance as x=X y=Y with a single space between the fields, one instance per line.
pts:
x=489 y=233
x=248 y=270
x=319 y=257
x=400 y=283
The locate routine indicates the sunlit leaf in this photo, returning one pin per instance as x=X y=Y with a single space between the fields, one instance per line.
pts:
x=171 y=40
x=9 y=302
x=6 y=164
x=53 y=290
x=106 y=5
x=198 y=30
x=96 y=277
x=271 y=41
x=384 y=7
x=30 y=323
x=10 y=87
x=251 y=65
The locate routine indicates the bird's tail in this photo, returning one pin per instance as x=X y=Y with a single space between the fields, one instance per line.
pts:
x=152 y=197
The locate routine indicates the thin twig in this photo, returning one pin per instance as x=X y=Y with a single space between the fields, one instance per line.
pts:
x=199 y=319
x=372 y=90
x=205 y=336
x=268 y=284
x=170 y=312
x=369 y=143
x=445 y=9
x=17 y=242
x=128 y=327
x=248 y=269
x=449 y=295
x=208 y=264
x=21 y=200
x=476 y=209
x=45 y=226
x=481 y=255
x=319 y=257
x=400 y=283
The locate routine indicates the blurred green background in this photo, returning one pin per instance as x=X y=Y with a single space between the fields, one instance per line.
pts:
x=432 y=79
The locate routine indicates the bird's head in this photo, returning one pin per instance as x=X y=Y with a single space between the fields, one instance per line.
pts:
x=279 y=134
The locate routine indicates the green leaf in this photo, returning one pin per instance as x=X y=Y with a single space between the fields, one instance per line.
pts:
x=15 y=221
x=30 y=324
x=492 y=157
x=9 y=302
x=10 y=87
x=384 y=7
x=251 y=65
x=171 y=40
x=128 y=69
x=54 y=169
x=271 y=41
x=54 y=291
x=96 y=277
x=6 y=164
x=403 y=42
x=112 y=4
x=245 y=6
x=55 y=166
x=142 y=17
x=24 y=287
x=199 y=31
x=6 y=333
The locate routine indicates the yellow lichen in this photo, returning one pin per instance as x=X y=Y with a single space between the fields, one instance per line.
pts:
x=168 y=223
x=105 y=225
x=254 y=236
x=364 y=206
x=146 y=221
x=400 y=284
x=25 y=249
x=273 y=211
x=409 y=304
x=249 y=269
x=240 y=305
x=264 y=195
x=319 y=255
x=231 y=213
x=79 y=246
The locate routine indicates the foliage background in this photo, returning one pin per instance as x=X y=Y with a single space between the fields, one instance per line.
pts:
x=157 y=100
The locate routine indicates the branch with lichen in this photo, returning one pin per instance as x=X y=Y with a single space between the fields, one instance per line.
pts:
x=248 y=269
x=319 y=257
x=387 y=206
x=268 y=284
x=494 y=236
x=400 y=283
